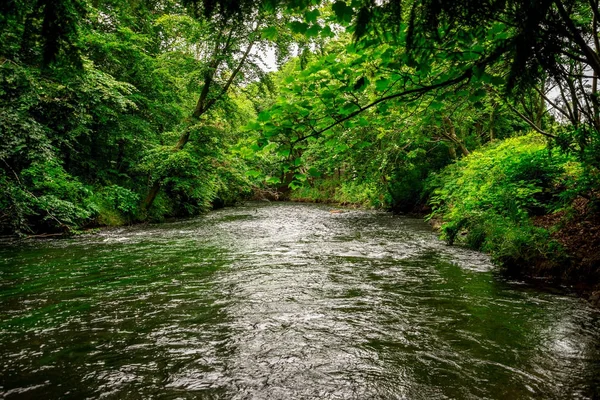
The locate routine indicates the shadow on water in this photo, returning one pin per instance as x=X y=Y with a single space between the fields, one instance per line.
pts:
x=283 y=301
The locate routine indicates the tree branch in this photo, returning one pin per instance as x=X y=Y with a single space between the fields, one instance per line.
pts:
x=234 y=74
x=416 y=91
x=553 y=104
x=593 y=59
x=530 y=123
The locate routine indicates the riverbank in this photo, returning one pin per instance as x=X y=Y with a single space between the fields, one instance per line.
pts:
x=528 y=206
x=577 y=230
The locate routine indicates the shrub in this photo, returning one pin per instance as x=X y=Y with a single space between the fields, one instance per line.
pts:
x=365 y=194
x=485 y=200
x=116 y=205
x=45 y=196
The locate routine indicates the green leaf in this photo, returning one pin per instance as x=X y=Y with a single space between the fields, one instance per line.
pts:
x=326 y=32
x=312 y=15
x=496 y=29
x=477 y=95
x=436 y=105
x=469 y=56
x=246 y=152
x=348 y=108
x=300 y=177
x=269 y=33
x=264 y=116
x=328 y=95
x=331 y=57
x=341 y=147
x=252 y=126
x=342 y=11
x=312 y=171
x=298 y=27
x=478 y=48
x=339 y=8
x=362 y=121
x=382 y=84
x=295 y=185
x=497 y=80
x=383 y=107
x=313 y=31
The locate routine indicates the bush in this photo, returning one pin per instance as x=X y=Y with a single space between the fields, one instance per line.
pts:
x=116 y=205
x=406 y=182
x=365 y=194
x=485 y=200
x=46 y=197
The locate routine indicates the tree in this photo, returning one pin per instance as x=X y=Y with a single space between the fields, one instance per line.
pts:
x=232 y=32
x=542 y=43
x=85 y=109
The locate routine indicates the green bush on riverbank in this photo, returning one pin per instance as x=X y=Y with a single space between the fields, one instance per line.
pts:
x=361 y=194
x=488 y=199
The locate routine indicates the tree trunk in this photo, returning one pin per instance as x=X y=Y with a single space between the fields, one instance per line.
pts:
x=451 y=134
x=452 y=150
x=152 y=193
x=540 y=108
x=492 y=115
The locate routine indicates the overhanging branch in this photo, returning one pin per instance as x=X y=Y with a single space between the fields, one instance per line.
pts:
x=530 y=122
x=416 y=91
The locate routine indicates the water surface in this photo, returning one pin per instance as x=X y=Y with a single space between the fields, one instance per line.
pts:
x=283 y=301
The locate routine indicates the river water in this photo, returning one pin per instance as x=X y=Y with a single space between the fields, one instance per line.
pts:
x=283 y=301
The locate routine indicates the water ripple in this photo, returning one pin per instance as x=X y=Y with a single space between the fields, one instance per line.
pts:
x=283 y=301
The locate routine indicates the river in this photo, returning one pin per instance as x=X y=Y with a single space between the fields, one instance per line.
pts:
x=283 y=301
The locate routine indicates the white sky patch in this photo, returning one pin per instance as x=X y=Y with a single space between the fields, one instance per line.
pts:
x=269 y=60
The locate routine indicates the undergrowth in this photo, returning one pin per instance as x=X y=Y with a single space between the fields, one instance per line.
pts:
x=486 y=200
x=340 y=192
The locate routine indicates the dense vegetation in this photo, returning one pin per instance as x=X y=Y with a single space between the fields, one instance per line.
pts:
x=484 y=114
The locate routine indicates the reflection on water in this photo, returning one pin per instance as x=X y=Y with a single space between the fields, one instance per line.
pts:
x=282 y=301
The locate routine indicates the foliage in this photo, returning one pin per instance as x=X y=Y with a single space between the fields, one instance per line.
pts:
x=116 y=205
x=390 y=146
x=93 y=96
x=486 y=199
x=347 y=193
x=45 y=196
x=116 y=112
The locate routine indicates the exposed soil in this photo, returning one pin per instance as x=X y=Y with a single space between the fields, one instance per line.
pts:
x=578 y=232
